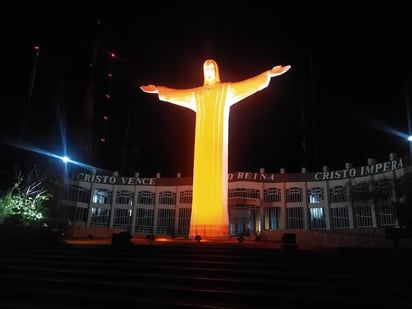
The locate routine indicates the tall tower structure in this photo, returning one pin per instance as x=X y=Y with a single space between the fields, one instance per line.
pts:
x=87 y=135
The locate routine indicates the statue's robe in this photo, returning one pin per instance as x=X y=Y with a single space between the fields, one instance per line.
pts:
x=211 y=103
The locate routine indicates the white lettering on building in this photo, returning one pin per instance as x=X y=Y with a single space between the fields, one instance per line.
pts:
x=362 y=171
x=328 y=175
x=115 y=180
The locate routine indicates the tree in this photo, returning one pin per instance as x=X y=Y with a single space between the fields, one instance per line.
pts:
x=26 y=198
x=403 y=207
x=396 y=195
x=7 y=204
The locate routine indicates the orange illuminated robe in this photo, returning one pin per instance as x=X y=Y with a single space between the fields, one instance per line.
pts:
x=212 y=102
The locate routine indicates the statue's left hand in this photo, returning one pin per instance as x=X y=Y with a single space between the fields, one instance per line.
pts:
x=278 y=70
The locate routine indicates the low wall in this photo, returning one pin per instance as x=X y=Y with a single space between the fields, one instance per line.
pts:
x=81 y=231
x=27 y=236
x=329 y=239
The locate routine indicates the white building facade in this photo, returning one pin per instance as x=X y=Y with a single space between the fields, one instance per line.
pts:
x=320 y=201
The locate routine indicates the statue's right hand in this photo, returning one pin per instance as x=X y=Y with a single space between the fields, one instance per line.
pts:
x=149 y=88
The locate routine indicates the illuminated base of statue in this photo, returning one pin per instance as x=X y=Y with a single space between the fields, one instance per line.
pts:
x=209 y=232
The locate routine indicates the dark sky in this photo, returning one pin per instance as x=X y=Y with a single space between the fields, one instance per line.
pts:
x=345 y=95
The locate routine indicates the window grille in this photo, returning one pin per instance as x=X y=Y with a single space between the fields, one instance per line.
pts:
x=317 y=218
x=184 y=222
x=165 y=221
x=125 y=197
x=146 y=198
x=74 y=214
x=295 y=218
x=386 y=216
x=294 y=195
x=99 y=217
x=363 y=216
x=77 y=194
x=122 y=218
x=384 y=186
x=144 y=221
x=186 y=197
x=244 y=192
x=272 y=218
x=102 y=196
x=338 y=194
x=167 y=198
x=272 y=195
x=315 y=195
x=340 y=218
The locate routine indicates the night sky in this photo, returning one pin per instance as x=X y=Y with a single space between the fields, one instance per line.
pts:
x=343 y=100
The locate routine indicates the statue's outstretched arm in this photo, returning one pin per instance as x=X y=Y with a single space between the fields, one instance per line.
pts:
x=149 y=89
x=182 y=97
x=247 y=87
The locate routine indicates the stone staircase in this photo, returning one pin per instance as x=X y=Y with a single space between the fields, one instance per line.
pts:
x=202 y=275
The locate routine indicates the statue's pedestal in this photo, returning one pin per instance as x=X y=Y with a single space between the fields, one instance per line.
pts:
x=210 y=232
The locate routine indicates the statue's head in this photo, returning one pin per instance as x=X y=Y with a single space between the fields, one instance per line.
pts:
x=211 y=72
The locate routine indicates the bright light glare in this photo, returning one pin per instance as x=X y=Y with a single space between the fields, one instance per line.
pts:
x=64 y=158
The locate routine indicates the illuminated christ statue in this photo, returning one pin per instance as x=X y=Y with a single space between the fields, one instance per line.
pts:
x=211 y=103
